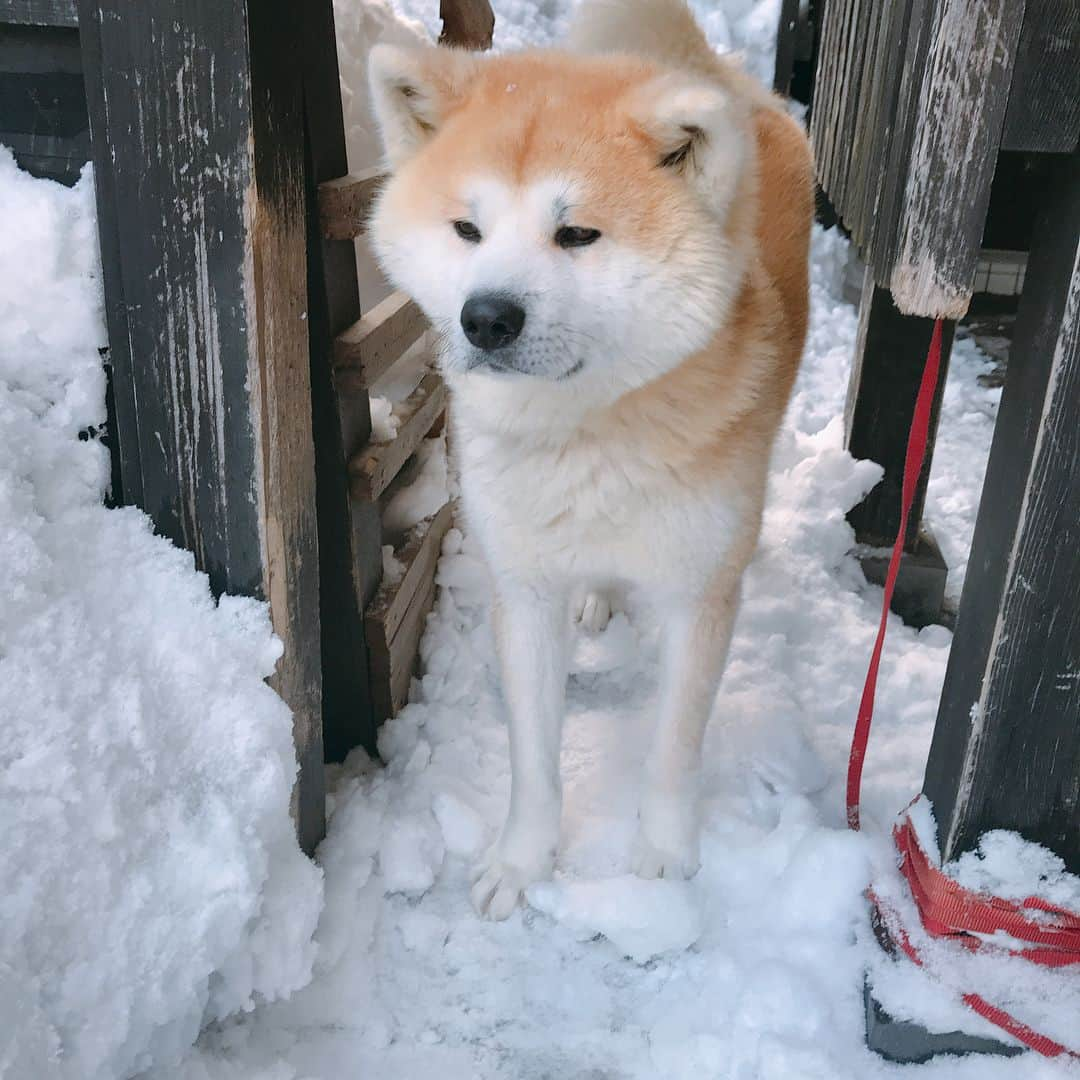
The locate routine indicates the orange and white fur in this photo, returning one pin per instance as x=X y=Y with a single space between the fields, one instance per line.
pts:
x=611 y=240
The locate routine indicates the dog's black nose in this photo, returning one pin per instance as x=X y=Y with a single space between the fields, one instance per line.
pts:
x=491 y=321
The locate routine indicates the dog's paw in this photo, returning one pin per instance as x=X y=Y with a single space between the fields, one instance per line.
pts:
x=651 y=861
x=498 y=889
x=595 y=612
x=668 y=842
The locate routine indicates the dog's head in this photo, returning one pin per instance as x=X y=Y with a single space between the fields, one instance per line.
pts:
x=563 y=221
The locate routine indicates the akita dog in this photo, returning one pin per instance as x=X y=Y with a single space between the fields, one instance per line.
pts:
x=612 y=242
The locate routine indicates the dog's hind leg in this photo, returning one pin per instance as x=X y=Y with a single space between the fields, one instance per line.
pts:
x=531 y=635
x=696 y=637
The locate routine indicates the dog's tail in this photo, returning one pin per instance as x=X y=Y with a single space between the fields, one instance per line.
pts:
x=661 y=30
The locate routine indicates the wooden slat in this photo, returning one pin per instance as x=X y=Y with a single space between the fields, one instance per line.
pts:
x=345 y=203
x=374 y=467
x=368 y=347
x=418 y=554
x=392 y=668
x=395 y=621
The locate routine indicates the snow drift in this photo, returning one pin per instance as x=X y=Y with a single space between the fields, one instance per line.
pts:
x=151 y=878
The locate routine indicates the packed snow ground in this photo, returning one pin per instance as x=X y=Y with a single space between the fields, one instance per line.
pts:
x=751 y=971
x=145 y=766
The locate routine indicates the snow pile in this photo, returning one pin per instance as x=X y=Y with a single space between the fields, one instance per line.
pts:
x=151 y=876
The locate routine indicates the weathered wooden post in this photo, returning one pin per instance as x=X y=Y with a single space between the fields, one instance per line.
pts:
x=1006 y=750
x=907 y=124
x=197 y=128
x=350 y=554
x=914 y=102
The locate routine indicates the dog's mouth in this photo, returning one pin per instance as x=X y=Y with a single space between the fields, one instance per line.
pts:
x=505 y=364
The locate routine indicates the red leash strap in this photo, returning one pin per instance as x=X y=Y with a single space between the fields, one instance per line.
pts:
x=947 y=909
x=913 y=463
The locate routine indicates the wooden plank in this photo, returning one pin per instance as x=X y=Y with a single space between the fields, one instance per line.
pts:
x=368 y=348
x=961 y=107
x=392 y=669
x=374 y=467
x=467 y=24
x=345 y=203
x=39 y=12
x=199 y=164
x=350 y=533
x=418 y=555
x=890 y=353
x=1006 y=747
x=1044 y=100
x=913 y=35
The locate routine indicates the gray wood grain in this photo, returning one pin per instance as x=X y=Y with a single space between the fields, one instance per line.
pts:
x=1006 y=748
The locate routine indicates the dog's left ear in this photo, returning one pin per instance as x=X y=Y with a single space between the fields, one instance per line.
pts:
x=412 y=91
x=699 y=130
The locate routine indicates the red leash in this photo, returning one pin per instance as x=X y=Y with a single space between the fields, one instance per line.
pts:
x=946 y=909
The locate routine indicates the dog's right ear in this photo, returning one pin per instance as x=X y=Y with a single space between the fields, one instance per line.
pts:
x=412 y=90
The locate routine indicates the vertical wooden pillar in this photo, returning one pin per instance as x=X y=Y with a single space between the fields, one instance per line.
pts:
x=349 y=532
x=197 y=133
x=1006 y=749
x=890 y=354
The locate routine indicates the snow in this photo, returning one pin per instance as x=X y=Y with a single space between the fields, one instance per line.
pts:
x=152 y=880
x=156 y=885
x=753 y=970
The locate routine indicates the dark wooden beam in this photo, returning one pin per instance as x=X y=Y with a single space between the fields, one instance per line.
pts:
x=1006 y=748
x=350 y=534
x=890 y=352
x=786 y=43
x=39 y=12
x=1044 y=99
x=199 y=165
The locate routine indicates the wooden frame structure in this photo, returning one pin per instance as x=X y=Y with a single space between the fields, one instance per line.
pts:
x=240 y=361
x=924 y=110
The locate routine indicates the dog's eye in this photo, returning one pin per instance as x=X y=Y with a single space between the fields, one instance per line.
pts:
x=467 y=231
x=570 y=236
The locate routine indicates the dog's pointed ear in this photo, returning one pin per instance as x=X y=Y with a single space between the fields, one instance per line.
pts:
x=412 y=90
x=699 y=131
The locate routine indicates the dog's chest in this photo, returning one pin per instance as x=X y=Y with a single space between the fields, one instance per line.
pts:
x=586 y=509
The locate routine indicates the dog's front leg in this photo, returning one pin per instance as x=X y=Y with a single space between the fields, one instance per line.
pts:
x=696 y=635
x=531 y=635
